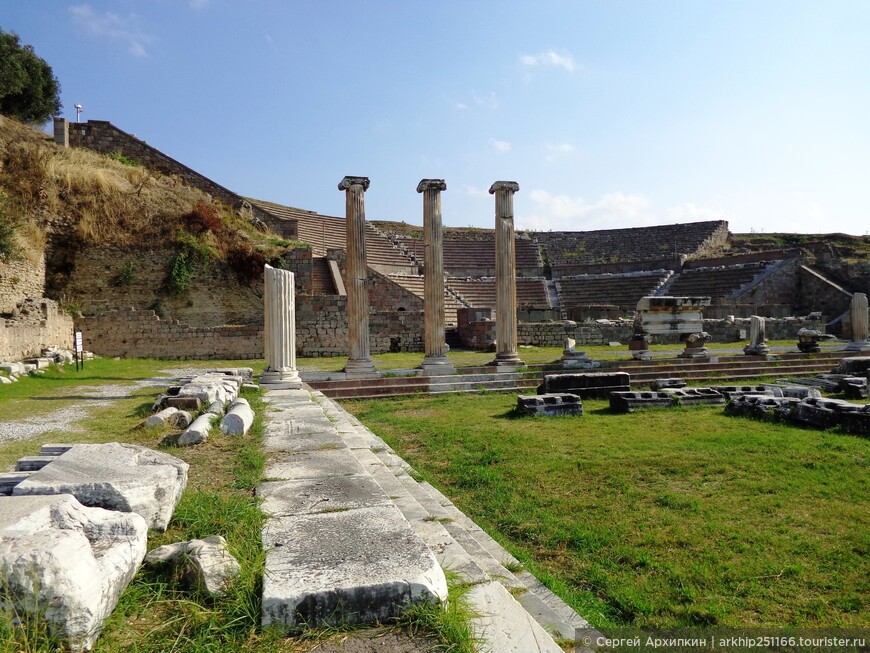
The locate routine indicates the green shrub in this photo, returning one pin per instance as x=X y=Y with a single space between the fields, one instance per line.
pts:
x=118 y=156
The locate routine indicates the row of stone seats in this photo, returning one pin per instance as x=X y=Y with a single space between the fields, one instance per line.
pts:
x=465 y=255
x=623 y=290
x=481 y=293
x=636 y=244
x=715 y=282
x=325 y=232
x=414 y=283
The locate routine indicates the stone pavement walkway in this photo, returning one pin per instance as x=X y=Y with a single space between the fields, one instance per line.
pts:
x=340 y=458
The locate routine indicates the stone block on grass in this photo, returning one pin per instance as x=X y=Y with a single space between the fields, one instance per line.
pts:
x=551 y=404
x=66 y=563
x=628 y=402
x=358 y=566
x=115 y=476
x=586 y=384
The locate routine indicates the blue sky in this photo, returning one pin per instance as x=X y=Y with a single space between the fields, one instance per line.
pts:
x=608 y=114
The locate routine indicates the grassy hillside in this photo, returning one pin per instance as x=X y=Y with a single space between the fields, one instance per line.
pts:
x=72 y=198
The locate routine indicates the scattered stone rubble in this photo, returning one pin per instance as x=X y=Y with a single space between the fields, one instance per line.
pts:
x=812 y=411
x=11 y=371
x=206 y=565
x=73 y=533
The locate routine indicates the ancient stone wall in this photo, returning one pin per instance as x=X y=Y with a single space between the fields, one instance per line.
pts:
x=102 y=136
x=20 y=280
x=299 y=262
x=781 y=286
x=817 y=293
x=105 y=278
x=34 y=325
x=142 y=333
x=478 y=333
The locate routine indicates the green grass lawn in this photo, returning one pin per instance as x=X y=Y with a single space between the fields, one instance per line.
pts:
x=660 y=518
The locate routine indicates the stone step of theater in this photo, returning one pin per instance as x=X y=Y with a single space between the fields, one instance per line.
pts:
x=642 y=373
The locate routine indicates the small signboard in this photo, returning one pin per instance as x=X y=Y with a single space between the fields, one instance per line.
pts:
x=78 y=349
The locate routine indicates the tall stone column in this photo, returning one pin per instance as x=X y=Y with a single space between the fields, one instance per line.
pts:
x=505 y=275
x=860 y=322
x=279 y=332
x=359 y=361
x=435 y=360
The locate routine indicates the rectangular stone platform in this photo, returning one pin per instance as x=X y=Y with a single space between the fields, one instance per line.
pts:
x=628 y=402
x=586 y=384
x=557 y=403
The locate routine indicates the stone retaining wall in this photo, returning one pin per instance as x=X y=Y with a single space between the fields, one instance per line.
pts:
x=20 y=280
x=322 y=332
x=34 y=325
x=477 y=333
x=142 y=333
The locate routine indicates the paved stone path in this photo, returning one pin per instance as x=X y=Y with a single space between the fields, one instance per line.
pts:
x=516 y=613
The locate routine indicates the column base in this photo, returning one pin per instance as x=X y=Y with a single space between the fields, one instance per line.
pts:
x=285 y=379
x=860 y=346
x=507 y=360
x=361 y=368
x=756 y=350
x=436 y=366
x=578 y=359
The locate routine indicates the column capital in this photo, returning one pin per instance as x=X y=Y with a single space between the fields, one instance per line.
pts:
x=511 y=186
x=431 y=184
x=347 y=182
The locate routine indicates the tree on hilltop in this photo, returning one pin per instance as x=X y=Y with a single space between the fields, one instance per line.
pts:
x=29 y=91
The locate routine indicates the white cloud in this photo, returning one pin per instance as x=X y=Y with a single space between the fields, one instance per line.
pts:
x=474 y=191
x=549 y=58
x=500 y=146
x=488 y=101
x=477 y=100
x=689 y=212
x=611 y=211
x=566 y=213
x=113 y=27
x=557 y=150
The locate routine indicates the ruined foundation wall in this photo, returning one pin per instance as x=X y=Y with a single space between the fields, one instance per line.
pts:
x=20 y=280
x=36 y=324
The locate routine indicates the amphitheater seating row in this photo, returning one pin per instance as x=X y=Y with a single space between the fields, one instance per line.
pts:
x=467 y=256
x=623 y=290
x=325 y=232
x=415 y=285
x=716 y=282
x=481 y=293
x=629 y=245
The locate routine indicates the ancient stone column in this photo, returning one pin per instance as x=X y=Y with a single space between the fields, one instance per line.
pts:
x=359 y=361
x=279 y=333
x=860 y=322
x=505 y=275
x=757 y=340
x=435 y=360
